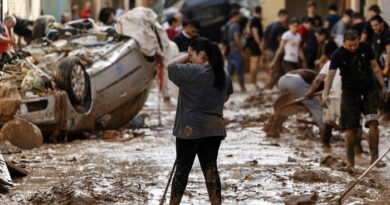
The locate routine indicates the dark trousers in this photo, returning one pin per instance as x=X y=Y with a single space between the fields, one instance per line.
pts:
x=311 y=59
x=207 y=151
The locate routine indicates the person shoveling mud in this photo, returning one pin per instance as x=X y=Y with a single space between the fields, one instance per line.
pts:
x=199 y=127
x=360 y=94
x=297 y=84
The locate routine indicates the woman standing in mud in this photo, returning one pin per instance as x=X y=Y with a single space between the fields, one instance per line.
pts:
x=199 y=125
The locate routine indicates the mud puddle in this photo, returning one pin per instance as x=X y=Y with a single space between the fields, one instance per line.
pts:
x=254 y=169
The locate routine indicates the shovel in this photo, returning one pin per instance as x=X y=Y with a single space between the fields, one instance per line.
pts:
x=361 y=177
x=279 y=107
x=169 y=182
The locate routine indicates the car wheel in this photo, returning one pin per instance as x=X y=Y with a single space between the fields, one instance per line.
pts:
x=72 y=77
x=41 y=26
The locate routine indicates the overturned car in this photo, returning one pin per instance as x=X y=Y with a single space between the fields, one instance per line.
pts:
x=95 y=79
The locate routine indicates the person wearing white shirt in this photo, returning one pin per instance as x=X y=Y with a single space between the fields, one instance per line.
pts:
x=290 y=46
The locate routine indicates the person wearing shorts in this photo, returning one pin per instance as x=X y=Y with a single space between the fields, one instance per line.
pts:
x=360 y=92
x=254 y=44
x=381 y=45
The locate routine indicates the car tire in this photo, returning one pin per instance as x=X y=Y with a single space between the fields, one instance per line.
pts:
x=72 y=77
x=41 y=26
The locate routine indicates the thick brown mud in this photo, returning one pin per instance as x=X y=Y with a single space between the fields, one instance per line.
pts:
x=134 y=168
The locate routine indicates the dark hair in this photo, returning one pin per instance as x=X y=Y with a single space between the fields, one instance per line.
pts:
x=351 y=35
x=348 y=12
x=377 y=18
x=357 y=15
x=214 y=57
x=195 y=24
x=375 y=8
x=311 y=3
x=293 y=21
x=171 y=20
x=234 y=13
x=235 y=6
x=258 y=9
x=330 y=48
x=332 y=7
x=282 y=12
x=307 y=19
x=323 y=31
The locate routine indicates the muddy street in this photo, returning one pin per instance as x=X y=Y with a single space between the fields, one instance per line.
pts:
x=133 y=168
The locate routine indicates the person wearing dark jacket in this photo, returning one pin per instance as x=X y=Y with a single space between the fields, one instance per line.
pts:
x=190 y=31
x=204 y=87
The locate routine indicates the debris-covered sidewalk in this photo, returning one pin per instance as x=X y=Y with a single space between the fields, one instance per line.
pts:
x=132 y=166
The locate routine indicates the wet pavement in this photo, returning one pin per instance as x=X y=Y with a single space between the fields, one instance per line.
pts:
x=134 y=168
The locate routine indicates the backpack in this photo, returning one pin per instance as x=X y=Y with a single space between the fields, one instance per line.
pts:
x=225 y=37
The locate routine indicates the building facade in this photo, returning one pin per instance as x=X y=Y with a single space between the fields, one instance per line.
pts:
x=297 y=7
x=31 y=9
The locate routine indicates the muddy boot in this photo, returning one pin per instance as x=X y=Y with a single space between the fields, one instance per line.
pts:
x=327 y=135
x=358 y=145
x=350 y=147
x=359 y=149
x=373 y=141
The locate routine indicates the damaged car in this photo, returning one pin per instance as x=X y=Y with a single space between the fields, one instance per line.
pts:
x=82 y=77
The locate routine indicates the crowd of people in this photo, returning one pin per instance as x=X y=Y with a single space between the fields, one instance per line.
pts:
x=345 y=58
x=107 y=14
